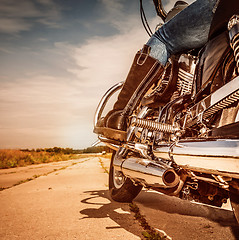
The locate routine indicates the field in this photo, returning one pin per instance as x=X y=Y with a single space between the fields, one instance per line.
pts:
x=10 y=158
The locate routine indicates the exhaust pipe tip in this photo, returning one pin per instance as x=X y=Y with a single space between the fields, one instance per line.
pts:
x=170 y=178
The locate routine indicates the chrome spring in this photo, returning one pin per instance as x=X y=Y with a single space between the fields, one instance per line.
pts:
x=153 y=126
x=233 y=27
x=235 y=47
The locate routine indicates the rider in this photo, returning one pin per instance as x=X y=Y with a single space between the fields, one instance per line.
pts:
x=187 y=30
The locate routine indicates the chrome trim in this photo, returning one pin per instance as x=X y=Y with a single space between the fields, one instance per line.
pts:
x=132 y=130
x=104 y=100
x=223 y=97
x=219 y=157
x=160 y=9
x=234 y=20
x=182 y=73
x=225 y=91
x=237 y=117
x=225 y=148
x=233 y=27
x=185 y=81
x=112 y=146
x=95 y=143
x=146 y=171
x=109 y=143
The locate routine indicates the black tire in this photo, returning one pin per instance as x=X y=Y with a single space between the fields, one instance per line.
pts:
x=121 y=188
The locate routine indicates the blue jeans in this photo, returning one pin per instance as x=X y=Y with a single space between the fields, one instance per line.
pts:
x=187 y=30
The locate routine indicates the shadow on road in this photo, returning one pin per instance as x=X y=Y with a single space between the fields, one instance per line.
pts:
x=109 y=210
x=157 y=202
x=171 y=205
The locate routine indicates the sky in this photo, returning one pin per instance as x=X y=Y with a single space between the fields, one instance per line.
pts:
x=57 y=59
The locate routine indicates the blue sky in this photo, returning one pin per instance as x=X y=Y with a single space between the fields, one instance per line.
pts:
x=57 y=58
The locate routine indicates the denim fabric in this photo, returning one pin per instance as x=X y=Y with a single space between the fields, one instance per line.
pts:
x=187 y=30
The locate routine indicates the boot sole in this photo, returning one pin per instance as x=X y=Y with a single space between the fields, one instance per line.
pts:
x=111 y=133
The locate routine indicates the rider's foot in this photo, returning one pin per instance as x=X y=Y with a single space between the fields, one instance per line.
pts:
x=112 y=126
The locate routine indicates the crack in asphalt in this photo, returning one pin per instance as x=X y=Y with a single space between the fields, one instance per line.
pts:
x=149 y=232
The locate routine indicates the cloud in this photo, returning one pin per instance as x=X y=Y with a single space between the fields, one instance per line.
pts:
x=63 y=107
x=50 y=97
x=43 y=105
x=116 y=15
x=105 y=60
x=9 y=25
x=113 y=11
x=17 y=16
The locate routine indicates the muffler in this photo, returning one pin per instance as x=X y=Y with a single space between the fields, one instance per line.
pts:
x=219 y=157
x=148 y=172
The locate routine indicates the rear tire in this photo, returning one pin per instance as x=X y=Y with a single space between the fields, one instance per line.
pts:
x=121 y=188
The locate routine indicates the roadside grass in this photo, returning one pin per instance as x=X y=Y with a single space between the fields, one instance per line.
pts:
x=10 y=158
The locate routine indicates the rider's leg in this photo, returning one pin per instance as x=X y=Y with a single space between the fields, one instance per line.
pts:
x=188 y=29
x=144 y=71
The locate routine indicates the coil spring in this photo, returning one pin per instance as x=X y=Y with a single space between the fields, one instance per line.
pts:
x=235 y=47
x=233 y=27
x=153 y=126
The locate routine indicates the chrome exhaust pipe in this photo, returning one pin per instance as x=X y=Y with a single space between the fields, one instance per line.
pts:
x=147 y=172
x=219 y=157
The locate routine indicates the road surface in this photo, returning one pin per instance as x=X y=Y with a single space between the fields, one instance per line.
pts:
x=69 y=200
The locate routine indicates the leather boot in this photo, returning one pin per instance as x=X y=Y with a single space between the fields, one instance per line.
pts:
x=144 y=71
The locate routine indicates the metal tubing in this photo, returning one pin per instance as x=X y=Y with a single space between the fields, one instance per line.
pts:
x=148 y=172
x=220 y=157
x=105 y=99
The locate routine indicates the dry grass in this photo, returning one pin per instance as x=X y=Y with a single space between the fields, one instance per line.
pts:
x=10 y=158
x=16 y=158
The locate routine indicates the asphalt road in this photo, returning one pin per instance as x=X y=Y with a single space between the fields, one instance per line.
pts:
x=69 y=200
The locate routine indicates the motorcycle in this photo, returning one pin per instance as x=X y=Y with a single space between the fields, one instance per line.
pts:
x=183 y=138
